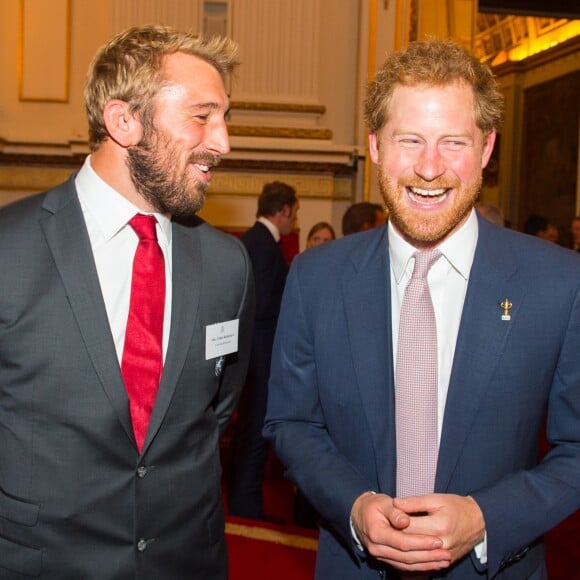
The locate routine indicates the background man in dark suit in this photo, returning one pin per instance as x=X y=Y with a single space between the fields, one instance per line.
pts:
x=81 y=494
x=277 y=210
x=507 y=314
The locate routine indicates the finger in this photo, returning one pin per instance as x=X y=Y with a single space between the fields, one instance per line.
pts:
x=426 y=526
x=418 y=567
x=415 y=505
x=398 y=519
x=418 y=558
x=402 y=541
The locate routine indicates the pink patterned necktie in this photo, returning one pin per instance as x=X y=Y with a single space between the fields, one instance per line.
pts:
x=142 y=361
x=416 y=384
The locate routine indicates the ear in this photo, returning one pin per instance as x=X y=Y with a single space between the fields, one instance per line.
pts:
x=488 y=143
x=286 y=211
x=374 y=147
x=122 y=125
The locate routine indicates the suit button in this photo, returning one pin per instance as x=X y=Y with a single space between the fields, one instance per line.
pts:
x=141 y=472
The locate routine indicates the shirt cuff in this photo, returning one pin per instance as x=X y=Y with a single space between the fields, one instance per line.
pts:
x=355 y=537
x=481 y=550
x=353 y=533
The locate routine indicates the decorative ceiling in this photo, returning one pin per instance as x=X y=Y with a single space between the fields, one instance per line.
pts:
x=502 y=37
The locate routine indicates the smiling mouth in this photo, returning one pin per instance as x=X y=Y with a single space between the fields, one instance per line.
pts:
x=428 y=196
x=205 y=163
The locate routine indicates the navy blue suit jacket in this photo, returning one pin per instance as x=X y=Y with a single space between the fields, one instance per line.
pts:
x=270 y=271
x=331 y=400
x=249 y=449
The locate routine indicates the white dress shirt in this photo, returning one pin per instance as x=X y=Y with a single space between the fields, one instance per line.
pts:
x=114 y=243
x=271 y=227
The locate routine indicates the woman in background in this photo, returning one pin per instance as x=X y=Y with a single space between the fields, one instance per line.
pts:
x=320 y=233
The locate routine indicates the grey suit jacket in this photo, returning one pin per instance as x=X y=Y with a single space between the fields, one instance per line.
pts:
x=331 y=398
x=77 y=500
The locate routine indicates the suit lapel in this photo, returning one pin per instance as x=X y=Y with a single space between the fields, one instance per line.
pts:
x=187 y=276
x=66 y=235
x=480 y=344
x=366 y=290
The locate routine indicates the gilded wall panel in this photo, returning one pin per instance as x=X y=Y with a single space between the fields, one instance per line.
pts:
x=251 y=184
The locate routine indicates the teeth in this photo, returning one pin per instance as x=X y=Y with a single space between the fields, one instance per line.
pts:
x=427 y=192
x=204 y=168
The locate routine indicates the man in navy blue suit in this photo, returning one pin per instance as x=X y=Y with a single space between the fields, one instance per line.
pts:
x=276 y=216
x=507 y=318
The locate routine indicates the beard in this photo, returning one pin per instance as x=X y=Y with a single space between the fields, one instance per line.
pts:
x=163 y=180
x=426 y=230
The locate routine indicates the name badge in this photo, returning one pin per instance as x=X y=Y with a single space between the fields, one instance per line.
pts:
x=221 y=338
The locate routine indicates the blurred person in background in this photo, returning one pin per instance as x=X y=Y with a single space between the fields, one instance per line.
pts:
x=320 y=233
x=362 y=216
x=575 y=230
x=491 y=212
x=276 y=216
x=539 y=226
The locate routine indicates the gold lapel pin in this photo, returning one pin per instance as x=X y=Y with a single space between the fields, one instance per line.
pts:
x=506 y=306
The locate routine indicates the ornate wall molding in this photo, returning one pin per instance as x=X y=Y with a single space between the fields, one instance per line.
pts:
x=44 y=44
x=280 y=132
x=250 y=184
x=278 y=107
x=269 y=165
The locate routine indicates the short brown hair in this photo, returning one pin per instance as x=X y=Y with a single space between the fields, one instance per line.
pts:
x=129 y=66
x=274 y=197
x=434 y=62
x=359 y=214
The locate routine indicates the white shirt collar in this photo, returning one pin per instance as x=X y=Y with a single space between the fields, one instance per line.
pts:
x=271 y=227
x=110 y=210
x=458 y=249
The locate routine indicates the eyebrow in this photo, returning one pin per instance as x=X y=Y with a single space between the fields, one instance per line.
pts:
x=212 y=106
x=208 y=105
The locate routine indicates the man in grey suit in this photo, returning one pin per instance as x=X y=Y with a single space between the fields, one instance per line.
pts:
x=81 y=496
x=505 y=348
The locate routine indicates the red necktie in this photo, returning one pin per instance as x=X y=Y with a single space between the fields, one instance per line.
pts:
x=142 y=362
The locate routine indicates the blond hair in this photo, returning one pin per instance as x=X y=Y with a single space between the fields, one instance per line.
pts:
x=129 y=66
x=434 y=62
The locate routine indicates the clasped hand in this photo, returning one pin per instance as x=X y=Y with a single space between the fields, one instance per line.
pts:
x=418 y=534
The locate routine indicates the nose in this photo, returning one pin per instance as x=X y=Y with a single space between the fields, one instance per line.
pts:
x=217 y=139
x=430 y=164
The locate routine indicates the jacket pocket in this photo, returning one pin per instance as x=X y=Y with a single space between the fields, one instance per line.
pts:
x=21 y=559
x=18 y=511
x=13 y=555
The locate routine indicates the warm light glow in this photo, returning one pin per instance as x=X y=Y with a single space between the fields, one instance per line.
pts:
x=515 y=38
x=536 y=44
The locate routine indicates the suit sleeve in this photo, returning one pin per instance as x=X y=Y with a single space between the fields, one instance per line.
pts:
x=232 y=379
x=295 y=419
x=269 y=278
x=521 y=507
